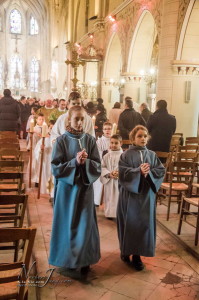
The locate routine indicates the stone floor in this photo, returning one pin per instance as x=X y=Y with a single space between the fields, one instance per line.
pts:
x=172 y=274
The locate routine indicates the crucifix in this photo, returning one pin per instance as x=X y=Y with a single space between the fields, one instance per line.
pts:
x=16 y=38
x=75 y=62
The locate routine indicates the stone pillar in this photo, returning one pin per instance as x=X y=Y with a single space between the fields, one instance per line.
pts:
x=167 y=51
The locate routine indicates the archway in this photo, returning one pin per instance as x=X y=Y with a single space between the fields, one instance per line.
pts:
x=143 y=59
x=185 y=80
x=111 y=73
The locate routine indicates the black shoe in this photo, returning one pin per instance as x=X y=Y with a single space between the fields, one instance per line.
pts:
x=36 y=184
x=137 y=263
x=85 y=270
x=125 y=258
x=72 y=273
x=96 y=205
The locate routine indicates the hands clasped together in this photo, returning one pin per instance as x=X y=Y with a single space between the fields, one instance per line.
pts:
x=145 y=168
x=114 y=174
x=81 y=157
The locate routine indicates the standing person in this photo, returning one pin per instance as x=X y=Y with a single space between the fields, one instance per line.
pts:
x=161 y=126
x=115 y=112
x=59 y=127
x=140 y=176
x=109 y=176
x=58 y=111
x=103 y=144
x=47 y=110
x=25 y=113
x=75 y=166
x=100 y=119
x=145 y=112
x=10 y=112
x=128 y=119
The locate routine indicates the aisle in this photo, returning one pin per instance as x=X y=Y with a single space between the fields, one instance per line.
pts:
x=172 y=274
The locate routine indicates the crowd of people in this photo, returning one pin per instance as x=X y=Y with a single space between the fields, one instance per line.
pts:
x=87 y=172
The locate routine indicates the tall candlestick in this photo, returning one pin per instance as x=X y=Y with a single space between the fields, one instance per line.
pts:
x=44 y=130
x=114 y=129
x=93 y=120
x=32 y=125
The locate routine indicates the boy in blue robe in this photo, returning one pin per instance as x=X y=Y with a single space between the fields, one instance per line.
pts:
x=75 y=166
x=140 y=176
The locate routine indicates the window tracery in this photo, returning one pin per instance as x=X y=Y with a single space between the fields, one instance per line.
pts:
x=15 y=21
x=34 y=28
x=34 y=75
x=15 y=72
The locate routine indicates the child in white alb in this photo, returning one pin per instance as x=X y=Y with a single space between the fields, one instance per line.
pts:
x=109 y=176
x=103 y=144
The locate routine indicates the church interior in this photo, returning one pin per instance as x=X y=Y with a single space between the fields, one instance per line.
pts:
x=109 y=51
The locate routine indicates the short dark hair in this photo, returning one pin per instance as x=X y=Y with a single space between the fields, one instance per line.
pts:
x=40 y=115
x=117 y=137
x=7 y=93
x=117 y=105
x=74 y=96
x=100 y=100
x=161 y=104
x=22 y=98
x=62 y=100
x=129 y=103
x=101 y=108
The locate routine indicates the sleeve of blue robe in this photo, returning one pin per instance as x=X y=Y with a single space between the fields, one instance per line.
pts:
x=129 y=177
x=156 y=175
x=69 y=171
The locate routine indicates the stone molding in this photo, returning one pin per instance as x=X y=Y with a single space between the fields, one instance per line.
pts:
x=185 y=68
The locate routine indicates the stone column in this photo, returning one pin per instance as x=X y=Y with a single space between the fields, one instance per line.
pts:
x=167 y=51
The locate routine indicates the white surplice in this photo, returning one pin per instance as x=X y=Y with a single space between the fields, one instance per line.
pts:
x=46 y=168
x=103 y=144
x=60 y=126
x=36 y=137
x=110 y=163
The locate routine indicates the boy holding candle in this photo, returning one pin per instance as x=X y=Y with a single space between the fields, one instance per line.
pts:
x=38 y=130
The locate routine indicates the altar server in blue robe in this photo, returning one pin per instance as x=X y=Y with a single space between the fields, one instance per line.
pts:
x=140 y=176
x=75 y=165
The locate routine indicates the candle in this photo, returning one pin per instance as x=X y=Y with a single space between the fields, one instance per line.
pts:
x=114 y=129
x=44 y=130
x=80 y=144
x=32 y=125
x=93 y=120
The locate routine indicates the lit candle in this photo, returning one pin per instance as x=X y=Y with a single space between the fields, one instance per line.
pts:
x=44 y=130
x=93 y=120
x=32 y=125
x=114 y=129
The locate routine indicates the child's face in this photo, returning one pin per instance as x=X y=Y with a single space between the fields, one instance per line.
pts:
x=75 y=102
x=76 y=120
x=141 y=138
x=40 y=120
x=107 y=131
x=115 y=144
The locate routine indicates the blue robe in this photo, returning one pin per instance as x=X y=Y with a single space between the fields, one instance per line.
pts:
x=75 y=236
x=136 y=211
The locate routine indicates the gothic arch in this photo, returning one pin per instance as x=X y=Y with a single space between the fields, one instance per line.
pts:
x=113 y=58
x=142 y=43
x=188 y=43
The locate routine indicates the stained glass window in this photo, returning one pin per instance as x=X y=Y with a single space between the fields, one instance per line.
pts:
x=1 y=74
x=34 y=75
x=16 y=72
x=15 y=21
x=34 y=28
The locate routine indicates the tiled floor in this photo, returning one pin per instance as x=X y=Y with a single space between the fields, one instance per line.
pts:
x=172 y=274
